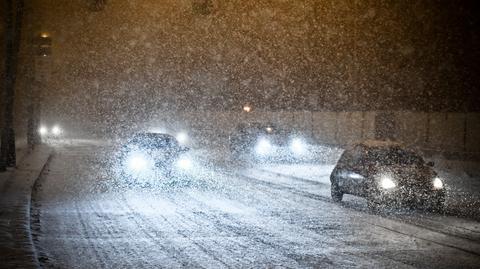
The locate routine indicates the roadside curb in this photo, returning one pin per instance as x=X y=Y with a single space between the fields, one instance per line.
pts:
x=16 y=242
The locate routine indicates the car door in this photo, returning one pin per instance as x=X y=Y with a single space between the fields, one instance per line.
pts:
x=353 y=173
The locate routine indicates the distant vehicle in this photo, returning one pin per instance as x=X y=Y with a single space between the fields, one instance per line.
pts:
x=148 y=156
x=268 y=142
x=385 y=173
x=50 y=133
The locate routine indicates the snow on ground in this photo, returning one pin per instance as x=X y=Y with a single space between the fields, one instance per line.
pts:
x=462 y=181
x=16 y=246
x=315 y=172
x=239 y=217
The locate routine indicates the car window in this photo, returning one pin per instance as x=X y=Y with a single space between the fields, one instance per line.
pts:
x=349 y=157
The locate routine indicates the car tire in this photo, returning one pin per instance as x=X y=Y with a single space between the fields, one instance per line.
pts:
x=337 y=194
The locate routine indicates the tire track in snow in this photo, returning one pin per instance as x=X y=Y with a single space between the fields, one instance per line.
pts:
x=86 y=231
x=271 y=195
x=111 y=231
x=142 y=222
x=257 y=236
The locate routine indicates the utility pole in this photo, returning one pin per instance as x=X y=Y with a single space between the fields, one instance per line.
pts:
x=13 y=23
x=42 y=62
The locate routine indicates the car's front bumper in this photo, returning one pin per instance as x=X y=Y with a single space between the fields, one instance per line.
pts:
x=402 y=196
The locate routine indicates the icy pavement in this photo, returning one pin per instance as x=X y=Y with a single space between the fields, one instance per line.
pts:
x=228 y=218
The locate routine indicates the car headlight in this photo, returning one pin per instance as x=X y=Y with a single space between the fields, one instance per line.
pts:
x=298 y=146
x=386 y=182
x=138 y=162
x=437 y=183
x=43 y=130
x=263 y=147
x=56 y=130
x=184 y=163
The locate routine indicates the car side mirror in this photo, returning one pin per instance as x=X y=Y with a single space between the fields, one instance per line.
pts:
x=430 y=163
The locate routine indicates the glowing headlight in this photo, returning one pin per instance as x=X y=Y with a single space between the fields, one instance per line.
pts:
x=263 y=147
x=138 y=162
x=43 y=130
x=437 y=183
x=298 y=146
x=56 y=130
x=386 y=182
x=355 y=176
x=182 y=138
x=184 y=163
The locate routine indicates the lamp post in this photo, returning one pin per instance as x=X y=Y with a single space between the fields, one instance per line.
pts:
x=42 y=52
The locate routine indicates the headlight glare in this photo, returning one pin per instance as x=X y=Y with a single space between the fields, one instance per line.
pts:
x=437 y=183
x=386 y=182
x=43 y=130
x=138 y=162
x=298 y=146
x=184 y=163
x=263 y=146
x=56 y=130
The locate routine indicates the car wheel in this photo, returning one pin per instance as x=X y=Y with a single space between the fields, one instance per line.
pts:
x=337 y=194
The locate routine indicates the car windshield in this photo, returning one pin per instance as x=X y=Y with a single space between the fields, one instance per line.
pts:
x=392 y=156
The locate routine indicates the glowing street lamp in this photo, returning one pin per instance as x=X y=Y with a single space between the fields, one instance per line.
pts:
x=44 y=44
x=247 y=108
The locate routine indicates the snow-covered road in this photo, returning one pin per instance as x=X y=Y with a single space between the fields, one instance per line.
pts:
x=228 y=217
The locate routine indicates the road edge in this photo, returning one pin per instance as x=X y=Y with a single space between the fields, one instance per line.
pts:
x=30 y=208
x=16 y=244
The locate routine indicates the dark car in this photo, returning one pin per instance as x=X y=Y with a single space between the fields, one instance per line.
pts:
x=385 y=173
x=147 y=155
x=267 y=141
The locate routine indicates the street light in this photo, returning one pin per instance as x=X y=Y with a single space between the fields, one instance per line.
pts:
x=247 y=108
x=44 y=44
